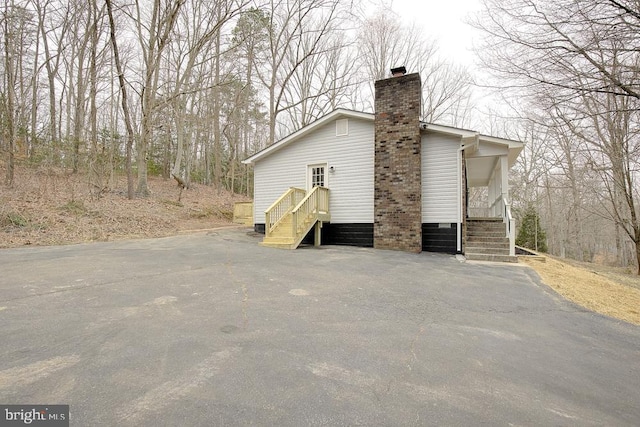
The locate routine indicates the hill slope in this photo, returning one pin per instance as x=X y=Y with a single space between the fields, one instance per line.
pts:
x=51 y=206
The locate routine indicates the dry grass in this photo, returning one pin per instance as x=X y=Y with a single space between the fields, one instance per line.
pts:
x=602 y=289
x=49 y=206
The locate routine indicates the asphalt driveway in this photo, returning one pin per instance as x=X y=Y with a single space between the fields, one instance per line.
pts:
x=212 y=329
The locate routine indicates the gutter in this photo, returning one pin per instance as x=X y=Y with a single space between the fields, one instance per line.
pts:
x=474 y=144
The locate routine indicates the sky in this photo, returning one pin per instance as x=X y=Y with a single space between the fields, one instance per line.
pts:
x=443 y=20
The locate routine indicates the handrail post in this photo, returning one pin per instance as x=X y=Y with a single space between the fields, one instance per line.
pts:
x=510 y=225
x=512 y=236
x=267 y=225
x=294 y=224
x=315 y=201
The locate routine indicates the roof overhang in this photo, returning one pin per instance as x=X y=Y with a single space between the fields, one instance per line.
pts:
x=485 y=157
x=448 y=130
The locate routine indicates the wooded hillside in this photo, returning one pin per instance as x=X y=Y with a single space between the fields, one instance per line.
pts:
x=56 y=207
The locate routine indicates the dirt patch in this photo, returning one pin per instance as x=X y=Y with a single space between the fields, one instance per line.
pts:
x=50 y=206
x=602 y=289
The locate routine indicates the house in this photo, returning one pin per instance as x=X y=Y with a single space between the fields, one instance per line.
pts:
x=386 y=180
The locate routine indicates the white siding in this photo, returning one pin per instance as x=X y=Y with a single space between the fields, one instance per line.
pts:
x=350 y=185
x=440 y=179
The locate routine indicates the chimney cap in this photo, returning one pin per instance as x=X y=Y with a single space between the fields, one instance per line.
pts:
x=399 y=71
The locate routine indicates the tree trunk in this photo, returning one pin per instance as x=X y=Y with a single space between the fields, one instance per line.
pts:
x=10 y=101
x=96 y=167
x=217 y=136
x=125 y=105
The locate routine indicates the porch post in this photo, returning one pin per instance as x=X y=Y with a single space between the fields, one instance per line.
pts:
x=317 y=234
x=506 y=205
x=504 y=172
x=491 y=194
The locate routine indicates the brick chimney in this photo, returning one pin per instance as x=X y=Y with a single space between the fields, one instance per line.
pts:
x=397 y=179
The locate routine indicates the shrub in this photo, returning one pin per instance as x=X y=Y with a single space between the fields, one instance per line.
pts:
x=13 y=219
x=531 y=235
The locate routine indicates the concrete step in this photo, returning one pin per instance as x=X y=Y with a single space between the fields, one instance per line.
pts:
x=487 y=237
x=486 y=250
x=485 y=224
x=495 y=227
x=498 y=230
x=489 y=241
x=486 y=241
x=490 y=257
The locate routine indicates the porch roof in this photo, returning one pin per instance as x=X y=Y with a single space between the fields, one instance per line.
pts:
x=482 y=152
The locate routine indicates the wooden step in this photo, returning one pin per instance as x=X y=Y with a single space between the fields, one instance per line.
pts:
x=282 y=235
x=281 y=232
x=277 y=245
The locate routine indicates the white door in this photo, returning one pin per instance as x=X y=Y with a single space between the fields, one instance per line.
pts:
x=317 y=176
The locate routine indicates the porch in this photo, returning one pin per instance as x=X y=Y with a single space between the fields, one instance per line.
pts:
x=489 y=227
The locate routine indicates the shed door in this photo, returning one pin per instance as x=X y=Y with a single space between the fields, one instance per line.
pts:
x=317 y=176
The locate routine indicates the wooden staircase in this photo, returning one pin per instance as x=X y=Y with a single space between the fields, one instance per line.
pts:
x=288 y=220
x=486 y=240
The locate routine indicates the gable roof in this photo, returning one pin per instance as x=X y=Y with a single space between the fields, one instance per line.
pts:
x=335 y=114
x=473 y=137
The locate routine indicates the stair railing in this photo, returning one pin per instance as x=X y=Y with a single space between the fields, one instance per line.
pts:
x=277 y=211
x=510 y=223
x=315 y=202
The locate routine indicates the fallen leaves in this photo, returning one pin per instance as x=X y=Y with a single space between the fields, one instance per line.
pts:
x=52 y=207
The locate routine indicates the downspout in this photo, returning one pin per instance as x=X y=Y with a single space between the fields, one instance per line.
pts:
x=475 y=143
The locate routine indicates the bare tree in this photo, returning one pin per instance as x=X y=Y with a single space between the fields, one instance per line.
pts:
x=575 y=61
x=16 y=40
x=125 y=100
x=319 y=84
x=9 y=94
x=53 y=25
x=153 y=32
x=385 y=42
x=611 y=133
x=199 y=43
x=572 y=46
x=296 y=33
